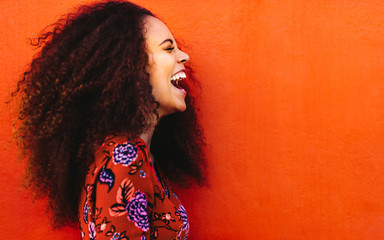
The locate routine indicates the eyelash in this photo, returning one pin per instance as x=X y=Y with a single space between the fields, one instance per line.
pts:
x=170 y=48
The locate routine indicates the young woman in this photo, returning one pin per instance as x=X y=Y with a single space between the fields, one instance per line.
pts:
x=106 y=117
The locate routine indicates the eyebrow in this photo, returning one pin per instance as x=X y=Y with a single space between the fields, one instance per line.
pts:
x=166 y=40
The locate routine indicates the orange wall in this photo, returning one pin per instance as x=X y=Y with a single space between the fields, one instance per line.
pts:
x=293 y=107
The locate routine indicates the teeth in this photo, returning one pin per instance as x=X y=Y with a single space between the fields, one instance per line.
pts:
x=178 y=76
x=175 y=79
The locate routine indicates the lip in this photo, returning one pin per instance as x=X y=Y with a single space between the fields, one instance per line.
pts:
x=182 y=70
x=179 y=89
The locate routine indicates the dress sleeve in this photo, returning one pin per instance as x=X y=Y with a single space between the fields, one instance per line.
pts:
x=124 y=191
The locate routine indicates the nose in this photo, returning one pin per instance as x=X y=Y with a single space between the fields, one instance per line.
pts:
x=183 y=57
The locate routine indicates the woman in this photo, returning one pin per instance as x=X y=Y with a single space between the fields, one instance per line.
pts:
x=105 y=116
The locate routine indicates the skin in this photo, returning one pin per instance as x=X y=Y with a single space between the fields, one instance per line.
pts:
x=164 y=60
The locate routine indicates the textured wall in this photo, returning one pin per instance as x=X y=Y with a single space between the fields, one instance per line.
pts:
x=292 y=105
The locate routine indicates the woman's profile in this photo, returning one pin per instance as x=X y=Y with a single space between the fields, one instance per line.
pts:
x=106 y=119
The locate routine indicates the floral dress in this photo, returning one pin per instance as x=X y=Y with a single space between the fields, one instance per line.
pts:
x=124 y=198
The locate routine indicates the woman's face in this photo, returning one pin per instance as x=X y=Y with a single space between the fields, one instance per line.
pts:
x=165 y=66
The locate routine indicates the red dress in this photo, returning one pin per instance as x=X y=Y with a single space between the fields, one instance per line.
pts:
x=124 y=198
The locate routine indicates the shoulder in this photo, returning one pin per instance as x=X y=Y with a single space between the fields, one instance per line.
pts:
x=121 y=187
x=121 y=160
x=122 y=150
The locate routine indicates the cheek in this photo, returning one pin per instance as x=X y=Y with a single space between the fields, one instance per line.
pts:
x=166 y=62
x=160 y=68
x=159 y=84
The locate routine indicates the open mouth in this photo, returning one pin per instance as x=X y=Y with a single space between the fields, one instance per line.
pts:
x=177 y=80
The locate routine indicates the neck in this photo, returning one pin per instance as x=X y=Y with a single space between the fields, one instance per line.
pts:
x=147 y=137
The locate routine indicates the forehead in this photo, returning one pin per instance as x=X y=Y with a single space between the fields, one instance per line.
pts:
x=156 y=31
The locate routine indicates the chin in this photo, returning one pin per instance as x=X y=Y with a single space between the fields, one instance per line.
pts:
x=178 y=109
x=173 y=110
x=182 y=108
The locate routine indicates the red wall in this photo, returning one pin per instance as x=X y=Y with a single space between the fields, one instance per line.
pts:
x=293 y=107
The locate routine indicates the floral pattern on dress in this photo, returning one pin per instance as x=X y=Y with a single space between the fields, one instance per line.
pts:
x=182 y=214
x=124 y=154
x=124 y=194
x=167 y=218
x=137 y=209
x=116 y=235
x=166 y=191
x=92 y=230
x=86 y=210
x=106 y=176
x=143 y=204
x=135 y=206
x=175 y=196
x=100 y=227
x=135 y=166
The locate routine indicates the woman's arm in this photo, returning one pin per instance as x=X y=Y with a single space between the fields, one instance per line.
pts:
x=122 y=191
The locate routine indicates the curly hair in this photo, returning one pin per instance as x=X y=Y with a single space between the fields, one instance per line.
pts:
x=88 y=81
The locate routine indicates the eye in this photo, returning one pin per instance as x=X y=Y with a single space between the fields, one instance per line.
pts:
x=170 y=48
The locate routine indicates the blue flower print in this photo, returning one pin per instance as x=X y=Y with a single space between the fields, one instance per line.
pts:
x=166 y=190
x=115 y=236
x=137 y=211
x=124 y=154
x=142 y=174
x=86 y=210
x=106 y=176
x=92 y=231
x=182 y=213
x=143 y=238
x=175 y=196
